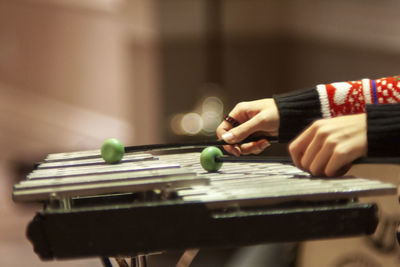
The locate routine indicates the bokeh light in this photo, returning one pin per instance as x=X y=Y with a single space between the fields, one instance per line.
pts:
x=202 y=120
x=211 y=120
x=192 y=123
x=212 y=104
x=175 y=124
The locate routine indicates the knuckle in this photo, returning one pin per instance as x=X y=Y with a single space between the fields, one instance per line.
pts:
x=316 y=169
x=228 y=148
x=340 y=151
x=322 y=132
x=292 y=149
x=241 y=105
x=258 y=150
x=219 y=131
x=264 y=115
x=332 y=171
x=317 y=124
x=331 y=142
x=305 y=164
x=329 y=173
x=315 y=172
x=245 y=150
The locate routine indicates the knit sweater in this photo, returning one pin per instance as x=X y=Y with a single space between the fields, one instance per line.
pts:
x=380 y=99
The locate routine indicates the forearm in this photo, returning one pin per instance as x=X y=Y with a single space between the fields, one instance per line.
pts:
x=300 y=108
x=383 y=130
x=344 y=98
x=296 y=110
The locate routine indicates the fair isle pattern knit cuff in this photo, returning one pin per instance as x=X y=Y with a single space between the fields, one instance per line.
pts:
x=344 y=98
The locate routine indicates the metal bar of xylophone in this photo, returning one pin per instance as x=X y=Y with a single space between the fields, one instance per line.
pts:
x=156 y=201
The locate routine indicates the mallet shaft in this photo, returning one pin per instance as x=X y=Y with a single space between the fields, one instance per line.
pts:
x=271 y=139
x=288 y=160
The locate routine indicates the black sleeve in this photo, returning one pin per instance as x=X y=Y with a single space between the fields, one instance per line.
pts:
x=297 y=110
x=383 y=130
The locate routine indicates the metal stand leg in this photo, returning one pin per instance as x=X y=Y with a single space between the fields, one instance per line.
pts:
x=187 y=258
x=106 y=262
x=133 y=262
x=142 y=261
x=138 y=261
x=122 y=262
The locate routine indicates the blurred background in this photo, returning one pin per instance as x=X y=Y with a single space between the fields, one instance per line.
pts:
x=75 y=72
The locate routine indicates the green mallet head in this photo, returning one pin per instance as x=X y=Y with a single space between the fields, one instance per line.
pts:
x=112 y=150
x=208 y=156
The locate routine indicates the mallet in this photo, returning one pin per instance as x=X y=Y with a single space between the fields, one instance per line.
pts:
x=112 y=150
x=212 y=158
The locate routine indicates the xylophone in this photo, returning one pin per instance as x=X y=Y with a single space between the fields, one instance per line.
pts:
x=160 y=200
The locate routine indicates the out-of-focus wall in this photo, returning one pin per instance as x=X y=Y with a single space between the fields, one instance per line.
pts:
x=268 y=47
x=65 y=84
x=280 y=46
x=63 y=76
x=145 y=106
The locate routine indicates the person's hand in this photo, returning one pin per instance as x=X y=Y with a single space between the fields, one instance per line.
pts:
x=259 y=116
x=328 y=146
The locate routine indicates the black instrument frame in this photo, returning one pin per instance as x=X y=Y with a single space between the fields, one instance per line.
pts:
x=132 y=229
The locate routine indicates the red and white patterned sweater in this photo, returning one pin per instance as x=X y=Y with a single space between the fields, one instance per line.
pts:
x=380 y=99
x=343 y=98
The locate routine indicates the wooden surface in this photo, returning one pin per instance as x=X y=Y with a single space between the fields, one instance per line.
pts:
x=378 y=250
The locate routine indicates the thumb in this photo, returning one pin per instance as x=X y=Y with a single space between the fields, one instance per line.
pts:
x=241 y=132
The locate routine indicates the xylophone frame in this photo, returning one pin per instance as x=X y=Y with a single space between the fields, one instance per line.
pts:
x=123 y=226
x=135 y=229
